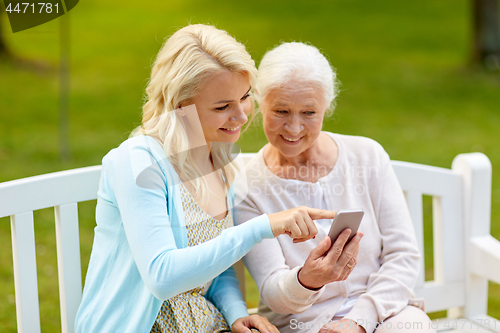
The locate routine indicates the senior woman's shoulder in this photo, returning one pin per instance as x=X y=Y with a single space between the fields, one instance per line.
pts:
x=360 y=147
x=361 y=142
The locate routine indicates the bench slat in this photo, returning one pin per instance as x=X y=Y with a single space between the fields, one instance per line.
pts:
x=68 y=264
x=426 y=179
x=25 y=276
x=49 y=190
x=414 y=202
x=449 y=241
x=440 y=296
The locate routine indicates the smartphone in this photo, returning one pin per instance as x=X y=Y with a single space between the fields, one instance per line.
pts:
x=346 y=219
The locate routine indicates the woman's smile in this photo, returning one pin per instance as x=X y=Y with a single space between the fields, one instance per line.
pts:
x=230 y=131
x=291 y=140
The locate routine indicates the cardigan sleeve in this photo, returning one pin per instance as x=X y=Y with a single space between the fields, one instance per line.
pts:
x=390 y=288
x=142 y=203
x=225 y=294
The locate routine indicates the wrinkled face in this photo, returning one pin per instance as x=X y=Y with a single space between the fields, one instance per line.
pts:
x=293 y=116
x=223 y=104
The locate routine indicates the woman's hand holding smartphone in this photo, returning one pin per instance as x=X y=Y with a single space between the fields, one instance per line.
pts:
x=329 y=263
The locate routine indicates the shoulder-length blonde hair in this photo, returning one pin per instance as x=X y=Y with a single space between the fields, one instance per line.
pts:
x=185 y=62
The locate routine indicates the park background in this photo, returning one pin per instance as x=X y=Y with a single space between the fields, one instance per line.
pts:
x=405 y=69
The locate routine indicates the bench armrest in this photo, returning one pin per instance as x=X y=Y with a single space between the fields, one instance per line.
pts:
x=484 y=257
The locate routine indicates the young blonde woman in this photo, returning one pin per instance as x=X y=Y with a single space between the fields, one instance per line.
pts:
x=164 y=241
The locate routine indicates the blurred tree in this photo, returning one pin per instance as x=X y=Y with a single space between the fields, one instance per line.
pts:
x=486 y=48
x=4 y=50
x=6 y=53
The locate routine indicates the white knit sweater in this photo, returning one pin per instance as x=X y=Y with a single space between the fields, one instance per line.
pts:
x=384 y=278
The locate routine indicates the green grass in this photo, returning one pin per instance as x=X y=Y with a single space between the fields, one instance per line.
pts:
x=404 y=77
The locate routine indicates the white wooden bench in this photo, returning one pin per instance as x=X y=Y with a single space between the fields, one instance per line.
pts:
x=466 y=256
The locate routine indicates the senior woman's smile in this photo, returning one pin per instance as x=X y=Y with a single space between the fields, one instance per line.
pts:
x=293 y=116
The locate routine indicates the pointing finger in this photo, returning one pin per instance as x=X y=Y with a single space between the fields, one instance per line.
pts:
x=318 y=214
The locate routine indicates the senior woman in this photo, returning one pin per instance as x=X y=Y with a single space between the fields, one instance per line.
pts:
x=364 y=286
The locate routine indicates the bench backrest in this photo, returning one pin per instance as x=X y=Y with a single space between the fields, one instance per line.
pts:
x=454 y=207
x=19 y=198
x=446 y=290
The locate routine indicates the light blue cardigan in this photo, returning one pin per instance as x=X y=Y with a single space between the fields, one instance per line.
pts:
x=140 y=255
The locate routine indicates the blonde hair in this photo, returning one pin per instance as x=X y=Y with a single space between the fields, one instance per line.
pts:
x=297 y=61
x=185 y=62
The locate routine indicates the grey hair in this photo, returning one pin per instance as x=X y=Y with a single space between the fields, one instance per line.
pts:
x=296 y=61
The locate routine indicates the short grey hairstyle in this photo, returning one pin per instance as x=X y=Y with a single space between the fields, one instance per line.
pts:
x=297 y=61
